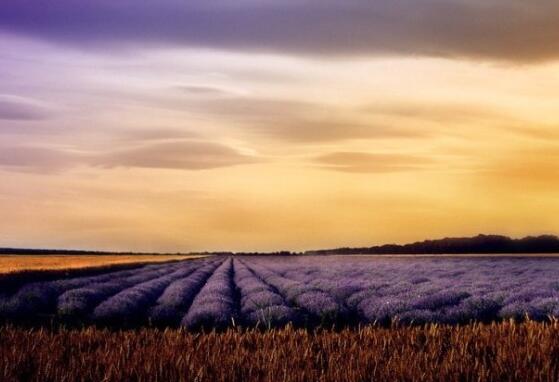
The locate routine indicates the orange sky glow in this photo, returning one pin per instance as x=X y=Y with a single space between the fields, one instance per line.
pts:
x=220 y=145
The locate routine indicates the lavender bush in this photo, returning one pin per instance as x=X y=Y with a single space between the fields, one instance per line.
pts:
x=40 y=298
x=132 y=304
x=319 y=306
x=269 y=291
x=81 y=301
x=214 y=306
x=435 y=289
x=260 y=304
x=177 y=298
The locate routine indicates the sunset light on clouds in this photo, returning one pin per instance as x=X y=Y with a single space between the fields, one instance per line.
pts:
x=265 y=125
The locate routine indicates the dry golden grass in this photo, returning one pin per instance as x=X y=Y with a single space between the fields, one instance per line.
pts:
x=498 y=352
x=13 y=263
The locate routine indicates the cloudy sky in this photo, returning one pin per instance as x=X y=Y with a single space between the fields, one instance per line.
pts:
x=261 y=125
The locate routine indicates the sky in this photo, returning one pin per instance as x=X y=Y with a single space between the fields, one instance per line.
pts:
x=265 y=125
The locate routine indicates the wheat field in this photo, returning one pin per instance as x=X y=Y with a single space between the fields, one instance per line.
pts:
x=505 y=351
x=15 y=263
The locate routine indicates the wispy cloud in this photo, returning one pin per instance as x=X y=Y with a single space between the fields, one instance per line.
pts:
x=36 y=159
x=297 y=121
x=178 y=155
x=443 y=112
x=150 y=135
x=21 y=109
x=371 y=162
x=186 y=155
x=202 y=91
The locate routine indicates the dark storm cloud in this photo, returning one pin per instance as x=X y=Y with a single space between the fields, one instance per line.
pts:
x=514 y=30
x=359 y=162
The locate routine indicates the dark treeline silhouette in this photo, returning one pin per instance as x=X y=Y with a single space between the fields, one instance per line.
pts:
x=35 y=251
x=461 y=245
x=227 y=253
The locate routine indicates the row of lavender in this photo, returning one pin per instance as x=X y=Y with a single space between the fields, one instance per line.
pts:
x=306 y=291
x=447 y=290
x=152 y=293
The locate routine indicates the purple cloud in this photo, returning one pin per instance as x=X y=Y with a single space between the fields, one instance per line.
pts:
x=511 y=30
x=21 y=109
x=37 y=159
x=190 y=155
x=181 y=155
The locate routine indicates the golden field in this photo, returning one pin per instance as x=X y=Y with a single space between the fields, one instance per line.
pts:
x=504 y=351
x=14 y=263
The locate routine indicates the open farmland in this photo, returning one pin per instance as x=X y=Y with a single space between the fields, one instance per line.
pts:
x=219 y=292
x=15 y=263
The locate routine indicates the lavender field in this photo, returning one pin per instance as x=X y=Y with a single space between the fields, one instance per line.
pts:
x=307 y=291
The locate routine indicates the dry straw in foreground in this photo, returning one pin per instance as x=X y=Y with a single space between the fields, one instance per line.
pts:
x=497 y=352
